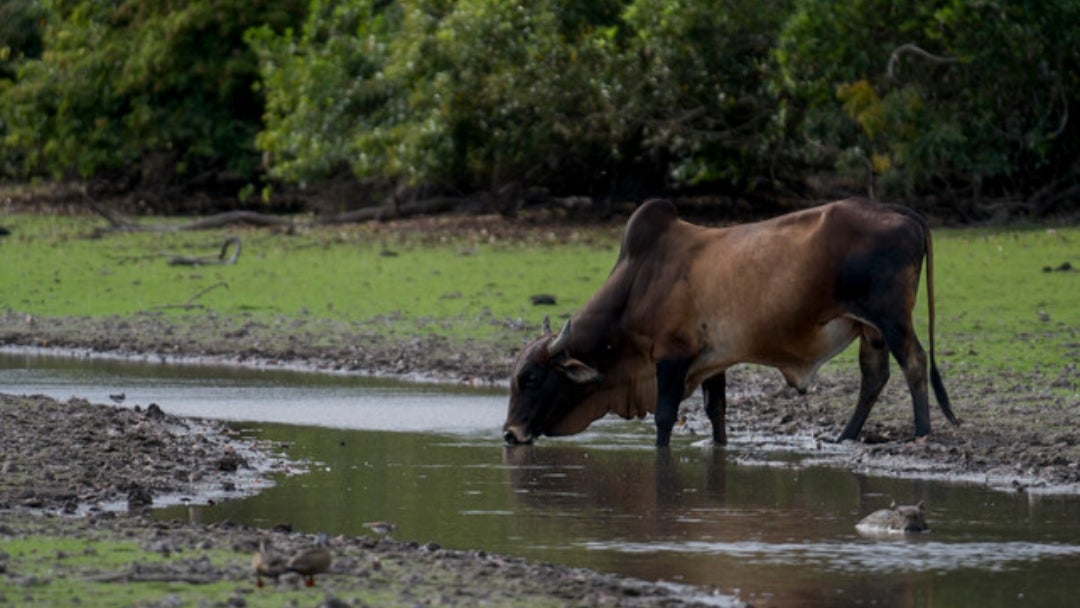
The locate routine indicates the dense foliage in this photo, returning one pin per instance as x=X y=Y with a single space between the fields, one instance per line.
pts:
x=958 y=100
x=966 y=97
x=147 y=92
x=476 y=94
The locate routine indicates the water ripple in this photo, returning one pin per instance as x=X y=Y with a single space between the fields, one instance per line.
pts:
x=870 y=557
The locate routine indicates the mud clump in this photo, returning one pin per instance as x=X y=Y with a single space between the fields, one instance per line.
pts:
x=77 y=455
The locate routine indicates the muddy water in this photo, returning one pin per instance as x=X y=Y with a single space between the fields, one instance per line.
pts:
x=749 y=519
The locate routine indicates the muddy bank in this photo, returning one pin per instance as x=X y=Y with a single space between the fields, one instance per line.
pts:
x=364 y=571
x=362 y=347
x=66 y=464
x=1016 y=434
x=78 y=457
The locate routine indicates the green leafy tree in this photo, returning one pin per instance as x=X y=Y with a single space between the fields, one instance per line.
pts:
x=143 y=91
x=20 y=34
x=696 y=84
x=324 y=86
x=475 y=94
x=961 y=97
x=466 y=94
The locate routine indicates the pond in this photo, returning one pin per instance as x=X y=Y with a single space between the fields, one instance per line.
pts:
x=752 y=519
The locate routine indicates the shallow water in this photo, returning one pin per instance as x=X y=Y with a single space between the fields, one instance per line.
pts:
x=774 y=532
x=265 y=395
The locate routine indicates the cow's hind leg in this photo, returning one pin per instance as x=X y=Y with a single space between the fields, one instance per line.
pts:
x=912 y=359
x=874 y=365
x=716 y=406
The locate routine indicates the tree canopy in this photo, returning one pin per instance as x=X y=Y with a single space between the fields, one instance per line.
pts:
x=949 y=100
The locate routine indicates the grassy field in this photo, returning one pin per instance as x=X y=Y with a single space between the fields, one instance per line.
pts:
x=996 y=306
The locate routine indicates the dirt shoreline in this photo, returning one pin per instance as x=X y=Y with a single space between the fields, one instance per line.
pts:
x=1017 y=434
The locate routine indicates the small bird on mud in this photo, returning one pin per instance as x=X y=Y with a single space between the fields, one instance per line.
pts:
x=309 y=562
x=117 y=397
x=267 y=564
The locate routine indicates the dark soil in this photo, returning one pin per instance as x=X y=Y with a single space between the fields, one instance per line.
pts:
x=78 y=457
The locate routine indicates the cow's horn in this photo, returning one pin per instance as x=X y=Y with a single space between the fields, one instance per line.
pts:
x=546 y=327
x=558 y=345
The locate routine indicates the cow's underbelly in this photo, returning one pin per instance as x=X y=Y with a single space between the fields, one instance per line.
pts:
x=832 y=338
x=798 y=356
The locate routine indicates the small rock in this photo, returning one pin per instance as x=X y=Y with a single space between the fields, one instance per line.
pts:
x=154 y=412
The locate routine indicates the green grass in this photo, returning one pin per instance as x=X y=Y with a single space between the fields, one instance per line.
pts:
x=58 y=571
x=103 y=568
x=347 y=274
x=996 y=308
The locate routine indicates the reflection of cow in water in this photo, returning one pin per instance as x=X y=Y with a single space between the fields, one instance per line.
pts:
x=572 y=477
x=683 y=303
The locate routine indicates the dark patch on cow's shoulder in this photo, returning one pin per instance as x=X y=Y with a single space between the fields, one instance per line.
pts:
x=651 y=220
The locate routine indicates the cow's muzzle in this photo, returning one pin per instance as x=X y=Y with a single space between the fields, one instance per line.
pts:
x=515 y=435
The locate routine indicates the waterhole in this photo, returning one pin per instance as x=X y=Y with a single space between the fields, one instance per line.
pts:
x=430 y=460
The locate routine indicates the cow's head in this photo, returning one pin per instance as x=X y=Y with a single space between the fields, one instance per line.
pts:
x=546 y=386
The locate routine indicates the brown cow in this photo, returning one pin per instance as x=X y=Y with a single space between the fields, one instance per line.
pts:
x=686 y=302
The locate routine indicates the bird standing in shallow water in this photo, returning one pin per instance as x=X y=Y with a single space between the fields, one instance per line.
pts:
x=309 y=562
x=267 y=564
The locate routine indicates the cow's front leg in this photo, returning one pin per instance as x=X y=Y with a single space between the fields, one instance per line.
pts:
x=716 y=406
x=670 y=384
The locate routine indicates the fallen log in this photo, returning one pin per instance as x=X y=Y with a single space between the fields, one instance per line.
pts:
x=221 y=260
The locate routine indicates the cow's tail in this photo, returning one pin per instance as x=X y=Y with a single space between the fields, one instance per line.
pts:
x=935 y=376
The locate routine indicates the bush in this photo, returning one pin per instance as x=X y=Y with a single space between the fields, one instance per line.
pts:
x=968 y=99
x=476 y=94
x=142 y=90
x=951 y=97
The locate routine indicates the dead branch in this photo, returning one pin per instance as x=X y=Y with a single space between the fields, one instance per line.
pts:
x=191 y=301
x=252 y=218
x=181 y=260
x=439 y=204
x=894 y=57
x=394 y=210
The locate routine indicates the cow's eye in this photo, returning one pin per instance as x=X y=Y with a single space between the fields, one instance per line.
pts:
x=529 y=378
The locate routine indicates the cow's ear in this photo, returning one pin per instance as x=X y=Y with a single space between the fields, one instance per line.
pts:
x=579 y=372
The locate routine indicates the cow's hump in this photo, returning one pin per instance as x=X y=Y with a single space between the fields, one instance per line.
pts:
x=648 y=223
